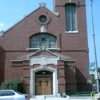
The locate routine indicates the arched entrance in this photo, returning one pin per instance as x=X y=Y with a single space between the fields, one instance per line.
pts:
x=43 y=80
x=34 y=72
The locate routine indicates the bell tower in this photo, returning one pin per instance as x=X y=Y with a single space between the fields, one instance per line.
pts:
x=73 y=28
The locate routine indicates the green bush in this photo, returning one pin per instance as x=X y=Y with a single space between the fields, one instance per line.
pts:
x=14 y=84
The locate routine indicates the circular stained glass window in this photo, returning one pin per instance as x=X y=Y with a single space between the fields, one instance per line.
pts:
x=42 y=18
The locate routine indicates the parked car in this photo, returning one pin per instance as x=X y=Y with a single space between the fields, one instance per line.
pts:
x=12 y=95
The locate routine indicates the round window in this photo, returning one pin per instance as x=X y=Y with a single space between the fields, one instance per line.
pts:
x=42 y=18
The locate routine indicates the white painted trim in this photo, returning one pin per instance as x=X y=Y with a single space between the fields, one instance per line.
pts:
x=18 y=60
x=67 y=60
x=71 y=32
x=42 y=4
x=57 y=14
x=32 y=79
x=27 y=49
x=2 y=33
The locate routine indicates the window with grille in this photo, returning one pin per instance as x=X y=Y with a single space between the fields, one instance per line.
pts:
x=43 y=40
x=70 y=14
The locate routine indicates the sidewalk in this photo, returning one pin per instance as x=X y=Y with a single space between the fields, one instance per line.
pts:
x=81 y=98
x=70 y=98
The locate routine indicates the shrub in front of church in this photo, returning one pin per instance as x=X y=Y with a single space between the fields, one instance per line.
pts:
x=14 y=84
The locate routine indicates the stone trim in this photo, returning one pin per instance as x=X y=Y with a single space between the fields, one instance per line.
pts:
x=32 y=79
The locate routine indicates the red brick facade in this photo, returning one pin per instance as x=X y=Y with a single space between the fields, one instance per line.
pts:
x=71 y=74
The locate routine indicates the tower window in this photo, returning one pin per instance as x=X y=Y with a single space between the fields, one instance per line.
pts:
x=70 y=14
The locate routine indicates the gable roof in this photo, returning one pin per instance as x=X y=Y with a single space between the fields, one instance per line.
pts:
x=29 y=15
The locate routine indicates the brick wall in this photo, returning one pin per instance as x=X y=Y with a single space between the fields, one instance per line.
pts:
x=16 y=39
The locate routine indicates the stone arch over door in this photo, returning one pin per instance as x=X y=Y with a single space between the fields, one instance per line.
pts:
x=54 y=79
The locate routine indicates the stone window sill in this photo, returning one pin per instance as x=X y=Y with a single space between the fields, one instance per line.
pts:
x=29 y=49
x=71 y=32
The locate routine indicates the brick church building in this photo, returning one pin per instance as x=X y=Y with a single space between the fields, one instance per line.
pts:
x=49 y=50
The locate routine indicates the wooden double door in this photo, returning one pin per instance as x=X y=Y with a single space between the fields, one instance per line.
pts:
x=43 y=85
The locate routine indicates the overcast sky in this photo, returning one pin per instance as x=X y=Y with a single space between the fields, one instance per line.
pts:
x=12 y=11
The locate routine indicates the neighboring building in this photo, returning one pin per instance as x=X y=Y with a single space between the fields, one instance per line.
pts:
x=49 y=50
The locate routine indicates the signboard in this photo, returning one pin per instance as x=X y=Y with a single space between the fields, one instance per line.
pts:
x=91 y=67
x=92 y=64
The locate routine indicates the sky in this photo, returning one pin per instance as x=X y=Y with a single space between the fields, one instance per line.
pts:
x=12 y=11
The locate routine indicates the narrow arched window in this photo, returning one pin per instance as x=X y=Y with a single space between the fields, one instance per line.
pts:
x=70 y=14
x=43 y=40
